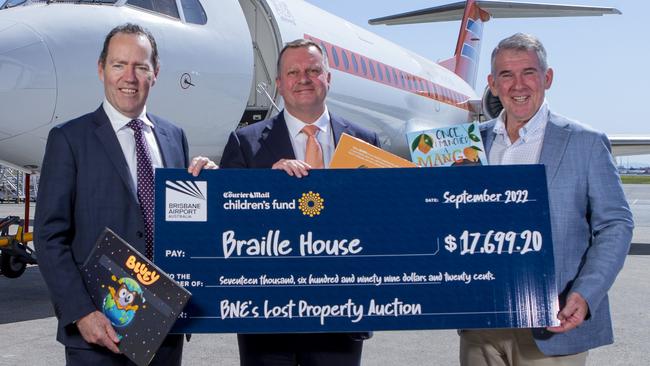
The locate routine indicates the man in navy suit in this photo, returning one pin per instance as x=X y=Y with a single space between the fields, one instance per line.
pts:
x=89 y=181
x=282 y=142
x=590 y=219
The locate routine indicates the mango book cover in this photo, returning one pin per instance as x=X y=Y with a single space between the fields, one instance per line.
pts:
x=140 y=300
x=456 y=145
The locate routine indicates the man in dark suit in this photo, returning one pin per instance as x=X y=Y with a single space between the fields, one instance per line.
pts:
x=300 y=138
x=91 y=179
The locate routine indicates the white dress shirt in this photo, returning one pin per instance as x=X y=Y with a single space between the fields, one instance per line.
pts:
x=299 y=139
x=127 y=140
x=526 y=149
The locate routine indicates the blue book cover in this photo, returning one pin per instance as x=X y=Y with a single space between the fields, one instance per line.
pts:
x=456 y=145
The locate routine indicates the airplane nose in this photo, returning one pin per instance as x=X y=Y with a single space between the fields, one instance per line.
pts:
x=27 y=80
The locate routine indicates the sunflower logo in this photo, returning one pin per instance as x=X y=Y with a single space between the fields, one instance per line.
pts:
x=311 y=204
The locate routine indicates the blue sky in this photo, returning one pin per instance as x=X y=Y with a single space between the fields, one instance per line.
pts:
x=600 y=63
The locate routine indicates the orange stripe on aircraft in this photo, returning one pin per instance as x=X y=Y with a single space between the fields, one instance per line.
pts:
x=356 y=64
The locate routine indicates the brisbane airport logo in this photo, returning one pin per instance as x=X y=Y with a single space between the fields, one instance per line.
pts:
x=186 y=201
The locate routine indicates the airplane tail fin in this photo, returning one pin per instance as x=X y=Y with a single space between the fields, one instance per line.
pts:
x=473 y=14
x=464 y=63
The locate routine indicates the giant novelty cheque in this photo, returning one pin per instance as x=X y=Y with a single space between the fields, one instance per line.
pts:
x=358 y=249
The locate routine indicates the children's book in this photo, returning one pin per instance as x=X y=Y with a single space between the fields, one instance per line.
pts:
x=139 y=299
x=447 y=146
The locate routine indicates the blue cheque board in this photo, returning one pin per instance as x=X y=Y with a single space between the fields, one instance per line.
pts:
x=358 y=250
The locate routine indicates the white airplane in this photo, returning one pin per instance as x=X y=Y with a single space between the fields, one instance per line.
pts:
x=218 y=67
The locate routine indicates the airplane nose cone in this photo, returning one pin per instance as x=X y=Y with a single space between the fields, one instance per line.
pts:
x=27 y=86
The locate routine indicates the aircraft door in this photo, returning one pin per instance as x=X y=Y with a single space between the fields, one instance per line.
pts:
x=266 y=45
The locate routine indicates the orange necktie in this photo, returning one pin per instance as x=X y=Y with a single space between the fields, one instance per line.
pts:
x=313 y=151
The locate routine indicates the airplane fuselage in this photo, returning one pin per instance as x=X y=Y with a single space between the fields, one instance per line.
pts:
x=210 y=73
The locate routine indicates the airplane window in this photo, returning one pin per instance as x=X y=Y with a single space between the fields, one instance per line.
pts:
x=193 y=12
x=167 y=7
x=354 y=63
x=363 y=66
x=335 y=57
x=388 y=74
x=379 y=72
x=402 y=80
x=395 y=77
x=346 y=63
x=324 y=49
x=372 y=68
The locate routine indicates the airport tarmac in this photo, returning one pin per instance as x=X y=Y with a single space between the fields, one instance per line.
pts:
x=27 y=325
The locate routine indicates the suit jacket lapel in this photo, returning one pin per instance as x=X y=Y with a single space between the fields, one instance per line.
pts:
x=338 y=127
x=275 y=138
x=108 y=139
x=488 y=135
x=163 y=140
x=556 y=139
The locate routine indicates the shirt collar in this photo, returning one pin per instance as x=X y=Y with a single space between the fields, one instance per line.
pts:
x=119 y=121
x=294 y=125
x=532 y=127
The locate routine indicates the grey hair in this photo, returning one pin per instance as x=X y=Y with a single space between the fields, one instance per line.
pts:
x=521 y=42
x=303 y=43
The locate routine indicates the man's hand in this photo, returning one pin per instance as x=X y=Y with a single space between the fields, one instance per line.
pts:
x=200 y=162
x=572 y=315
x=95 y=328
x=293 y=167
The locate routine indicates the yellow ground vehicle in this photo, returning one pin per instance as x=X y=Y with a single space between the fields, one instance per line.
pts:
x=15 y=253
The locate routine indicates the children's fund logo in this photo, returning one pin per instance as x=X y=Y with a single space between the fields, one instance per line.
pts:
x=311 y=204
x=186 y=201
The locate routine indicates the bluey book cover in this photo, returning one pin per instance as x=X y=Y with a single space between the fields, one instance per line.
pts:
x=447 y=146
x=139 y=299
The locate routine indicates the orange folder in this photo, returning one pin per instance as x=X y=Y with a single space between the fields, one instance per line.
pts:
x=353 y=153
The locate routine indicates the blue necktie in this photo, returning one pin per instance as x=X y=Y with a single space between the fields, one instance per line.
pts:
x=145 y=183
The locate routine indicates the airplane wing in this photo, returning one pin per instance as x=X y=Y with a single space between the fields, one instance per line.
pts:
x=630 y=145
x=496 y=9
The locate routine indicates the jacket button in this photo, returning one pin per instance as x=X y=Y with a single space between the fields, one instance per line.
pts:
x=139 y=234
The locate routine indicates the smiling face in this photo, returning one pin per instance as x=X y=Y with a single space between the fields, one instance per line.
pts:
x=520 y=83
x=303 y=82
x=128 y=73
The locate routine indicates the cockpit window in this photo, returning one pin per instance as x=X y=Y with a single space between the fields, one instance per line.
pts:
x=167 y=7
x=193 y=12
x=4 y=4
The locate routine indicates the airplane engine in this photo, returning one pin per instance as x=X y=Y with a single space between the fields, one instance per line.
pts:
x=491 y=105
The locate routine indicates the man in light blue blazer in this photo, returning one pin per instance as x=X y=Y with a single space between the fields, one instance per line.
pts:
x=590 y=218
